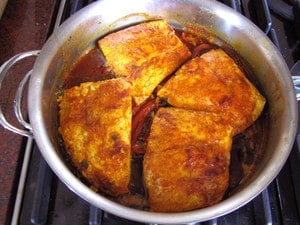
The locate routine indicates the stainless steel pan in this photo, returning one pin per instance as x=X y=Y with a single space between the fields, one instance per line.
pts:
x=80 y=32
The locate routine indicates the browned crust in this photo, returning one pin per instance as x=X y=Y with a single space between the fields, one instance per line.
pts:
x=213 y=82
x=95 y=123
x=187 y=160
x=145 y=53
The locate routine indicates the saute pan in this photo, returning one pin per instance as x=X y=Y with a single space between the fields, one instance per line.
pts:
x=79 y=33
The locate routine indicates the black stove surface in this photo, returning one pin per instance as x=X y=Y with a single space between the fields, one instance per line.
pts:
x=47 y=200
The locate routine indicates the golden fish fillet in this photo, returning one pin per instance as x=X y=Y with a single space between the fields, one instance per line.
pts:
x=145 y=53
x=95 y=124
x=186 y=165
x=214 y=83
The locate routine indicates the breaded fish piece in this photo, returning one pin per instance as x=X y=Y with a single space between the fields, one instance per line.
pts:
x=95 y=124
x=186 y=165
x=213 y=82
x=145 y=53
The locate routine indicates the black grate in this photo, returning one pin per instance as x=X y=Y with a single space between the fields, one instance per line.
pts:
x=46 y=200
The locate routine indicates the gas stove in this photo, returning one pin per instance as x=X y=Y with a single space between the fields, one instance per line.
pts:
x=44 y=199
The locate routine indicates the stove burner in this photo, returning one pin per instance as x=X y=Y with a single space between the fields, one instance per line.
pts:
x=289 y=11
x=282 y=8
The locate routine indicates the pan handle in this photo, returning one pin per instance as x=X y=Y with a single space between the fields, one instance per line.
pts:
x=17 y=102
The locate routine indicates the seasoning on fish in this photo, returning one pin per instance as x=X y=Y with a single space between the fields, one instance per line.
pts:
x=145 y=53
x=186 y=165
x=213 y=82
x=95 y=124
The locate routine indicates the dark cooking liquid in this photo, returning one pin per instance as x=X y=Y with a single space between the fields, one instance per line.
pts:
x=247 y=147
x=89 y=68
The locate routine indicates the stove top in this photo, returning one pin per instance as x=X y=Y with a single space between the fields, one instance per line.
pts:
x=46 y=200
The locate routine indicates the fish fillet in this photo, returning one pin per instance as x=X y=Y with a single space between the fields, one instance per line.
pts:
x=95 y=124
x=214 y=83
x=145 y=53
x=186 y=165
